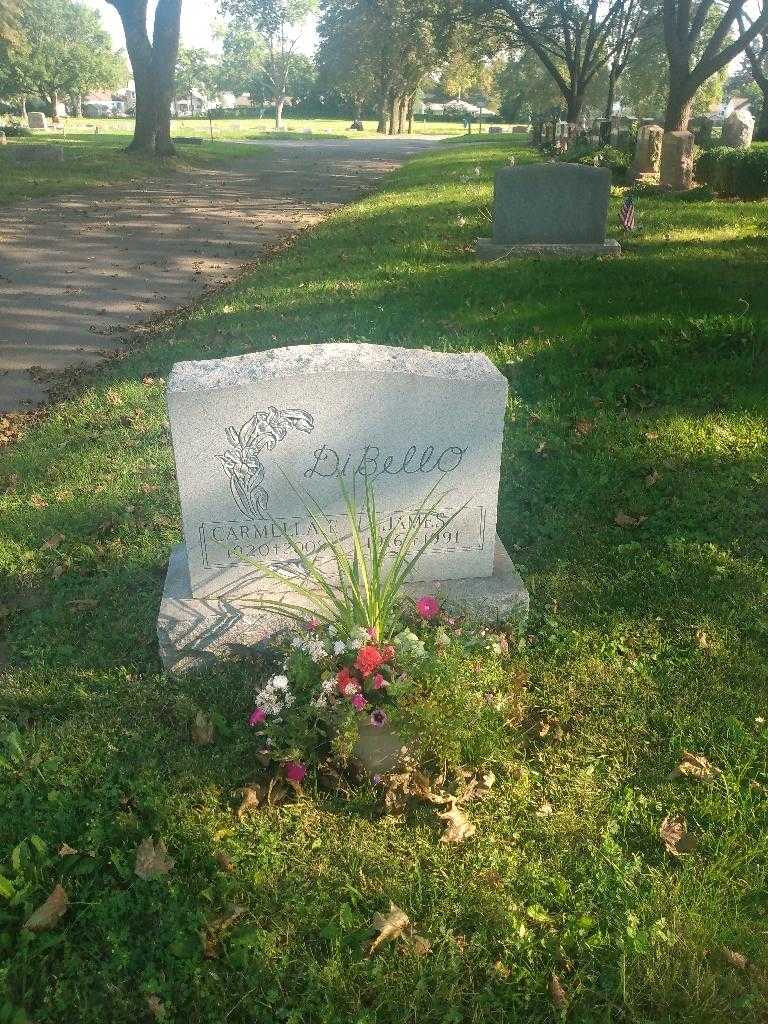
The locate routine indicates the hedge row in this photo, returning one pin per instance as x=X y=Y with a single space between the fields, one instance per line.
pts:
x=735 y=172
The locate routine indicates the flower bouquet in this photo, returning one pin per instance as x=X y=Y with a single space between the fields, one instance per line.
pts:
x=367 y=675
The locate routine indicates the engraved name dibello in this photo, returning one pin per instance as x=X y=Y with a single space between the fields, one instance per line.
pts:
x=371 y=462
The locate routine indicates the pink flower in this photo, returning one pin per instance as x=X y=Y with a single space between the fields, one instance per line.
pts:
x=312 y=624
x=358 y=702
x=388 y=653
x=378 y=718
x=348 y=684
x=258 y=716
x=294 y=771
x=379 y=681
x=427 y=607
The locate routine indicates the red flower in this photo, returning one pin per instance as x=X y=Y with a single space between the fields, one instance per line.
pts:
x=388 y=653
x=347 y=682
x=368 y=659
x=427 y=607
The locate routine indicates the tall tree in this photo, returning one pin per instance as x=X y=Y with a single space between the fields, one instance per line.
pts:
x=573 y=39
x=701 y=39
x=154 y=65
x=756 y=54
x=279 y=23
x=10 y=17
x=195 y=72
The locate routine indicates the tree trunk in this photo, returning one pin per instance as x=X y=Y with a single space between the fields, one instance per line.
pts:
x=679 y=100
x=279 y=104
x=79 y=105
x=401 y=115
x=611 y=93
x=381 y=128
x=23 y=104
x=55 y=105
x=393 y=114
x=761 y=128
x=575 y=102
x=411 y=102
x=154 y=69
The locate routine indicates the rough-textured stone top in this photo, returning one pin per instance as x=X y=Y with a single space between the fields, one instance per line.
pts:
x=338 y=358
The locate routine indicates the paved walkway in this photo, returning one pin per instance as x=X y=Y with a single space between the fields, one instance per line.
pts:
x=78 y=271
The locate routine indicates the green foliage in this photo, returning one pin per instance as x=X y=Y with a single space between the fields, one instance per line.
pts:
x=618 y=160
x=742 y=173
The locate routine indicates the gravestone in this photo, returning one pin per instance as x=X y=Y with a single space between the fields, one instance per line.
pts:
x=550 y=209
x=645 y=166
x=37 y=121
x=30 y=154
x=677 y=161
x=738 y=129
x=250 y=431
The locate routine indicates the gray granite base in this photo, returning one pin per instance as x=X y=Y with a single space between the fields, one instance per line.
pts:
x=198 y=633
x=487 y=249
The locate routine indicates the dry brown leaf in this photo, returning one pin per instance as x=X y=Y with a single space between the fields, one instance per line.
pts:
x=737 y=960
x=545 y=810
x=622 y=519
x=652 y=478
x=203 y=730
x=65 y=850
x=215 y=928
x=694 y=766
x=477 y=788
x=278 y=792
x=156 y=1007
x=252 y=798
x=394 y=925
x=583 y=427
x=49 y=913
x=152 y=859
x=224 y=861
x=557 y=992
x=419 y=945
x=458 y=826
x=674 y=834
x=54 y=541
x=37 y=502
x=651 y=435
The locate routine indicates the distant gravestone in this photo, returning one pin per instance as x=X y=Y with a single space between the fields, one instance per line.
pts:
x=550 y=209
x=249 y=430
x=738 y=129
x=37 y=121
x=677 y=161
x=647 y=163
x=29 y=154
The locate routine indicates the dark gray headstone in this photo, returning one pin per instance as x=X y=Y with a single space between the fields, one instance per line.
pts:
x=551 y=203
x=24 y=154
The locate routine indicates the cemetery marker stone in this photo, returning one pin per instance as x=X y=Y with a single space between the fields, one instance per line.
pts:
x=550 y=209
x=250 y=431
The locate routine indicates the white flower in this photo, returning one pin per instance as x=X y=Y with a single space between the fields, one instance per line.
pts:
x=321 y=701
x=339 y=647
x=289 y=699
x=278 y=682
x=297 y=642
x=332 y=631
x=328 y=685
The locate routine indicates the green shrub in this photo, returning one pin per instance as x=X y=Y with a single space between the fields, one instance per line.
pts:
x=735 y=172
x=618 y=160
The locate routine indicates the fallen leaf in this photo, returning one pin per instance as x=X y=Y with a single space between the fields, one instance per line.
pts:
x=622 y=519
x=694 y=766
x=458 y=826
x=65 y=850
x=49 y=913
x=54 y=541
x=652 y=478
x=203 y=730
x=542 y=450
x=252 y=798
x=393 y=925
x=37 y=502
x=156 y=1008
x=419 y=945
x=674 y=834
x=737 y=960
x=583 y=427
x=557 y=992
x=651 y=435
x=152 y=860
x=702 y=640
x=215 y=928
x=477 y=788
x=224 y=861
x=545 y=810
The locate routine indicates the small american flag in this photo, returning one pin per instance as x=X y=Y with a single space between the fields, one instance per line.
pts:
x=627 y=214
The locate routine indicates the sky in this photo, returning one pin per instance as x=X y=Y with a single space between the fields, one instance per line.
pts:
x=197 y=19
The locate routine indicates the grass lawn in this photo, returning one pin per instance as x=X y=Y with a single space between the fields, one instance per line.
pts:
x=639 y=390
x=95 y=160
